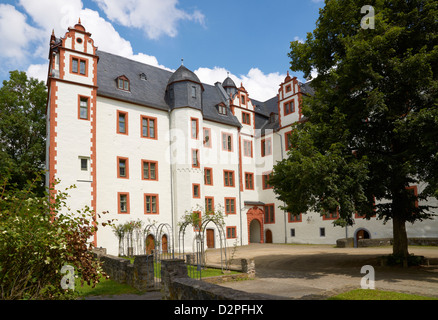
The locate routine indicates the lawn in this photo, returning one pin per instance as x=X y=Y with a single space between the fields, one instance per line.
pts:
x=368 y=294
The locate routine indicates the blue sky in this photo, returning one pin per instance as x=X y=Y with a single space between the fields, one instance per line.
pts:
x=248 y=39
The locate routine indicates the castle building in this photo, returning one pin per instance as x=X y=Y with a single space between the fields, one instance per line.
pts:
x=144 y=143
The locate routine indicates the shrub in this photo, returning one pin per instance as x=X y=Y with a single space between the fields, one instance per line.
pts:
x=38 y=236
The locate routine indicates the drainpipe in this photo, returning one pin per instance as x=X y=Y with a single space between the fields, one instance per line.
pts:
x=284 y=212
x=171 y=189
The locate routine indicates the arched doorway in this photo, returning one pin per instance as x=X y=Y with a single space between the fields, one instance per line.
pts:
x=254 y=231
x=150 y=244
x=361 y=234
x=255 y=225
x=268 y=236
x=164 y=243
x=210 y=238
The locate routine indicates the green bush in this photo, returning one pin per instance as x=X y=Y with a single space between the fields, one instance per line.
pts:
x=38 y=236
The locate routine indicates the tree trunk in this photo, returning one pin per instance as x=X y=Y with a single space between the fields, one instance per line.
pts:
x=400 y=244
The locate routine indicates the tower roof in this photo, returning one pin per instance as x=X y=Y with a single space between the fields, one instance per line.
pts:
x=228 y=83
x=183 y=74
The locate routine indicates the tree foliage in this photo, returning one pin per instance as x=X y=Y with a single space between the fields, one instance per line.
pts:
x=22 y=129
x=371 y=127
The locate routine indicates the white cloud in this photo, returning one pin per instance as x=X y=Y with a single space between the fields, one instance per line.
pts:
x=155 y=17
x=260 y=86
x=15 y=34
x=38 y=71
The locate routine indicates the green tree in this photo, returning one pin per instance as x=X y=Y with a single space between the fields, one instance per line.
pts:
x=22 y=129
x=371 y=127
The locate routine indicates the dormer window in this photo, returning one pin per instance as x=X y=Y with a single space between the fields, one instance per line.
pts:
x=143 y=77
x=123 y=83
x=222 y=109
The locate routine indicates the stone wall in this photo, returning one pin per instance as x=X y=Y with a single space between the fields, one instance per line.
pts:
x=349 y=242
x=139 y=275
x=176 y=285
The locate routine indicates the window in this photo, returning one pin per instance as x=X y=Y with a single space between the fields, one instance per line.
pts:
x=84 y=109
x=265 y=180
x=122 y=167
x=269 y=213
x=123 y=83
x=84 y=164
x=322 y=232
x=195 y=158
x=292 y=232
x=228 y=178
x=230 y=205
x=289 y=107
x=198 y=213
x=150 y=170
x=231 y=233
x=266 y=147
x=193 y=92
x=247 y=148
x=330 y=215
x=287 y=138
x=207 y=137
x=246 y=118
x=222 y=109
x=123 y=202
x=294 y=217
x=209 y=205
x=227 y=142
x=194 y=128
x=122 y=122
x=242 y=99
x=249 y=180
x=149 y=127
x=208 y=176
x=196 y=190
x=288 y=88
x=151 y=203
x=78 y=66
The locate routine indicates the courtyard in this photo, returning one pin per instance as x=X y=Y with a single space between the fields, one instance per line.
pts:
x=318 y=271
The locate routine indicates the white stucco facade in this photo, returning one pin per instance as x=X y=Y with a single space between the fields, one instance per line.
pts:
x=87 y=151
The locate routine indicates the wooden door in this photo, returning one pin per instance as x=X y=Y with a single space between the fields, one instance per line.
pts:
x=268 y=236
x=164 y=243
x=210 y=238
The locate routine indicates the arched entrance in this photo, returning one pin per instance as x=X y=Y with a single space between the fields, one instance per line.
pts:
x=150 y=244
x=361 y=234
x=255 y=225
x=268 y=236
x=164 y=243
x=254 y=231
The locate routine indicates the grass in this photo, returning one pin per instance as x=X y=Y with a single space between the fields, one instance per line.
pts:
x=368 y=294
x=104 y=287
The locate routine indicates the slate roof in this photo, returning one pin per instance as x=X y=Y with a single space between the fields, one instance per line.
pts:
x=151 y=92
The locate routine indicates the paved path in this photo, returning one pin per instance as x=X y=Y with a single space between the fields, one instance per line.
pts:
x=319 y=271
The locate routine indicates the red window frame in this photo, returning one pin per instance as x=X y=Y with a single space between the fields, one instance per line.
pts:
x=249 y=181
x=227 y=177
x=125 y=114
x=157 y=206
x=205 y=176
x=230 y=207
x=126 y=176
x=149 y=162
x=269 y=213
x=119 y=208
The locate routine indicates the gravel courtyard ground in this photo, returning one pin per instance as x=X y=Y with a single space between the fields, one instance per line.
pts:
x=319 y=271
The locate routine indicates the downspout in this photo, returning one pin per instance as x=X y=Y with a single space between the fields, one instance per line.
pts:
x=284 y=212
x=171 y=189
